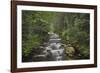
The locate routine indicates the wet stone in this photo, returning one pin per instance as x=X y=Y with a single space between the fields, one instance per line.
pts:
x=52 y=51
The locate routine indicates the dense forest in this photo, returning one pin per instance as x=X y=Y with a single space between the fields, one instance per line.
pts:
x=72 y=28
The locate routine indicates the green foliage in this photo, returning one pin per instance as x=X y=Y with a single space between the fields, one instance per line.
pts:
x=77 y=31
x=34 y=29
x=73 y=29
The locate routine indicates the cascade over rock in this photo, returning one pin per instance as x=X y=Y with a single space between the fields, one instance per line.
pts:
x=53 y=50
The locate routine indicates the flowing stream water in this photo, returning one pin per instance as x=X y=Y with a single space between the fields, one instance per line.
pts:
x=53 y=50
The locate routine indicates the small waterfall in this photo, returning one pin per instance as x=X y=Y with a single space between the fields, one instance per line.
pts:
x=57 y=50
x=53 y=50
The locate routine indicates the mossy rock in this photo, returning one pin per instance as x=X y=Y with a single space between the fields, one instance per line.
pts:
x=70 y=51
